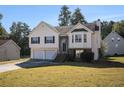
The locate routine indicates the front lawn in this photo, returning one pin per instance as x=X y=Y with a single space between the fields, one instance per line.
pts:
x=108 y=72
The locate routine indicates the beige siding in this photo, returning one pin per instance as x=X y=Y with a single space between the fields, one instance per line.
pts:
x=9 y=51
x=80 y=44
x=2 y=53
x=41 y=31
x=95 y=45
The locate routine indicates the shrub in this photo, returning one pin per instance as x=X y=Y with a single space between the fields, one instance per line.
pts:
x=87 y=56
x=70 y=57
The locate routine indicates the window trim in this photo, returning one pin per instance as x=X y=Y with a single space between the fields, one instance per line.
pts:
x=47 y=41
x=85 y=38
x=36 y=41
x=72 y=38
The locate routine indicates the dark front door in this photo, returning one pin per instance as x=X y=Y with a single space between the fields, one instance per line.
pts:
x=64 y=47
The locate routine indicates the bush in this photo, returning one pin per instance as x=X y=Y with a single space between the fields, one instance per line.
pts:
x=87 y=56
x=25 y=52
x=70 y=57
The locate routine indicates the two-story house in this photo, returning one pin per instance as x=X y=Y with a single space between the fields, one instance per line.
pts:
x=47 y=41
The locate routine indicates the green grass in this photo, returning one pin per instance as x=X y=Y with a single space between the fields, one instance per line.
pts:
x=109 y=72
x=14 y=61
x=115 y=59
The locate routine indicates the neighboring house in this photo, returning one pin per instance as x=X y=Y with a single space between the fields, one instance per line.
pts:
x=9 y=50
x=47 y=41
x=114 y=44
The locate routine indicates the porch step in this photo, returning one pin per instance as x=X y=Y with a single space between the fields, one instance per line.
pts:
x=61 y=57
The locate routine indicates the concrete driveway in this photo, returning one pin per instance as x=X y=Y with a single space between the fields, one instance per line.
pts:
x=9 y=67
x=19 y=65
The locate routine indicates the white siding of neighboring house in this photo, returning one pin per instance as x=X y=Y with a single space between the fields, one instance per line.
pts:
x=111 y=47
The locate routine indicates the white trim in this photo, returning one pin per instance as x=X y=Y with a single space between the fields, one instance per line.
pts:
x=79 y=24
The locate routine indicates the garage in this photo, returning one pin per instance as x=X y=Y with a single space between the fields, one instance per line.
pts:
x=44 y=54
x=50 y=54
x=38 y=54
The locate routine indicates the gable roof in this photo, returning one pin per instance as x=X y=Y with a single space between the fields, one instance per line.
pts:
x=113 y=32
x=4 y=42
x=42 y=22
x=64 y=29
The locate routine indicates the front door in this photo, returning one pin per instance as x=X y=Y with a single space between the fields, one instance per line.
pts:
x=64 y=47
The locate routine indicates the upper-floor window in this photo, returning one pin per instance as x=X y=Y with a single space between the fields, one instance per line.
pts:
x=49 y=39
x=35 y=40
x=112 y=39
x=78 y=38
x=72 y=38
x=85 y=38
x=118 y=39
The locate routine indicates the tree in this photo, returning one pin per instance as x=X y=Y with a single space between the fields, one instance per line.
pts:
x=19 y=33
x=119 y=27
x=106 y=28
x=3 y=33
x=64 y=16
x=77 y=16
x=1 y=16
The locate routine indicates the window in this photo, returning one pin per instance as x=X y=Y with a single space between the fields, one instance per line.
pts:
x=72 y=38
x=35 y=40
x=118 y=39
x=78 y=38
x=112 y=39
x=85 y=38
x=116 y=45
x=49 y=39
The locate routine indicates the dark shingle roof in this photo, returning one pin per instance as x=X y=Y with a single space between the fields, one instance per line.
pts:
x=64 y=29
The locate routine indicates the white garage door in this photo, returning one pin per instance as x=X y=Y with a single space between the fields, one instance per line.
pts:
x=50 y=54
x=38 y=54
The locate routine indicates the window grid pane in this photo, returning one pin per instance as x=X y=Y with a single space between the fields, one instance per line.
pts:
x=35 y=40
x=49 y=39
x=78 y=38
x=85 y=38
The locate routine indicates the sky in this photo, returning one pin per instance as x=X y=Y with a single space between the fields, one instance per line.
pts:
x=32 y=15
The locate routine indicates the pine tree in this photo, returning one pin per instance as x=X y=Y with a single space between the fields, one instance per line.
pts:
x=77 y=17
x=119 y=27
x=64 y=16
x=19 y=33
x=106 y=28
x=3 y=33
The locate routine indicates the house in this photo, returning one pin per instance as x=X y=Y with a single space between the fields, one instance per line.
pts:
x=114 y=44
x=46 y=41
x=9 y=50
